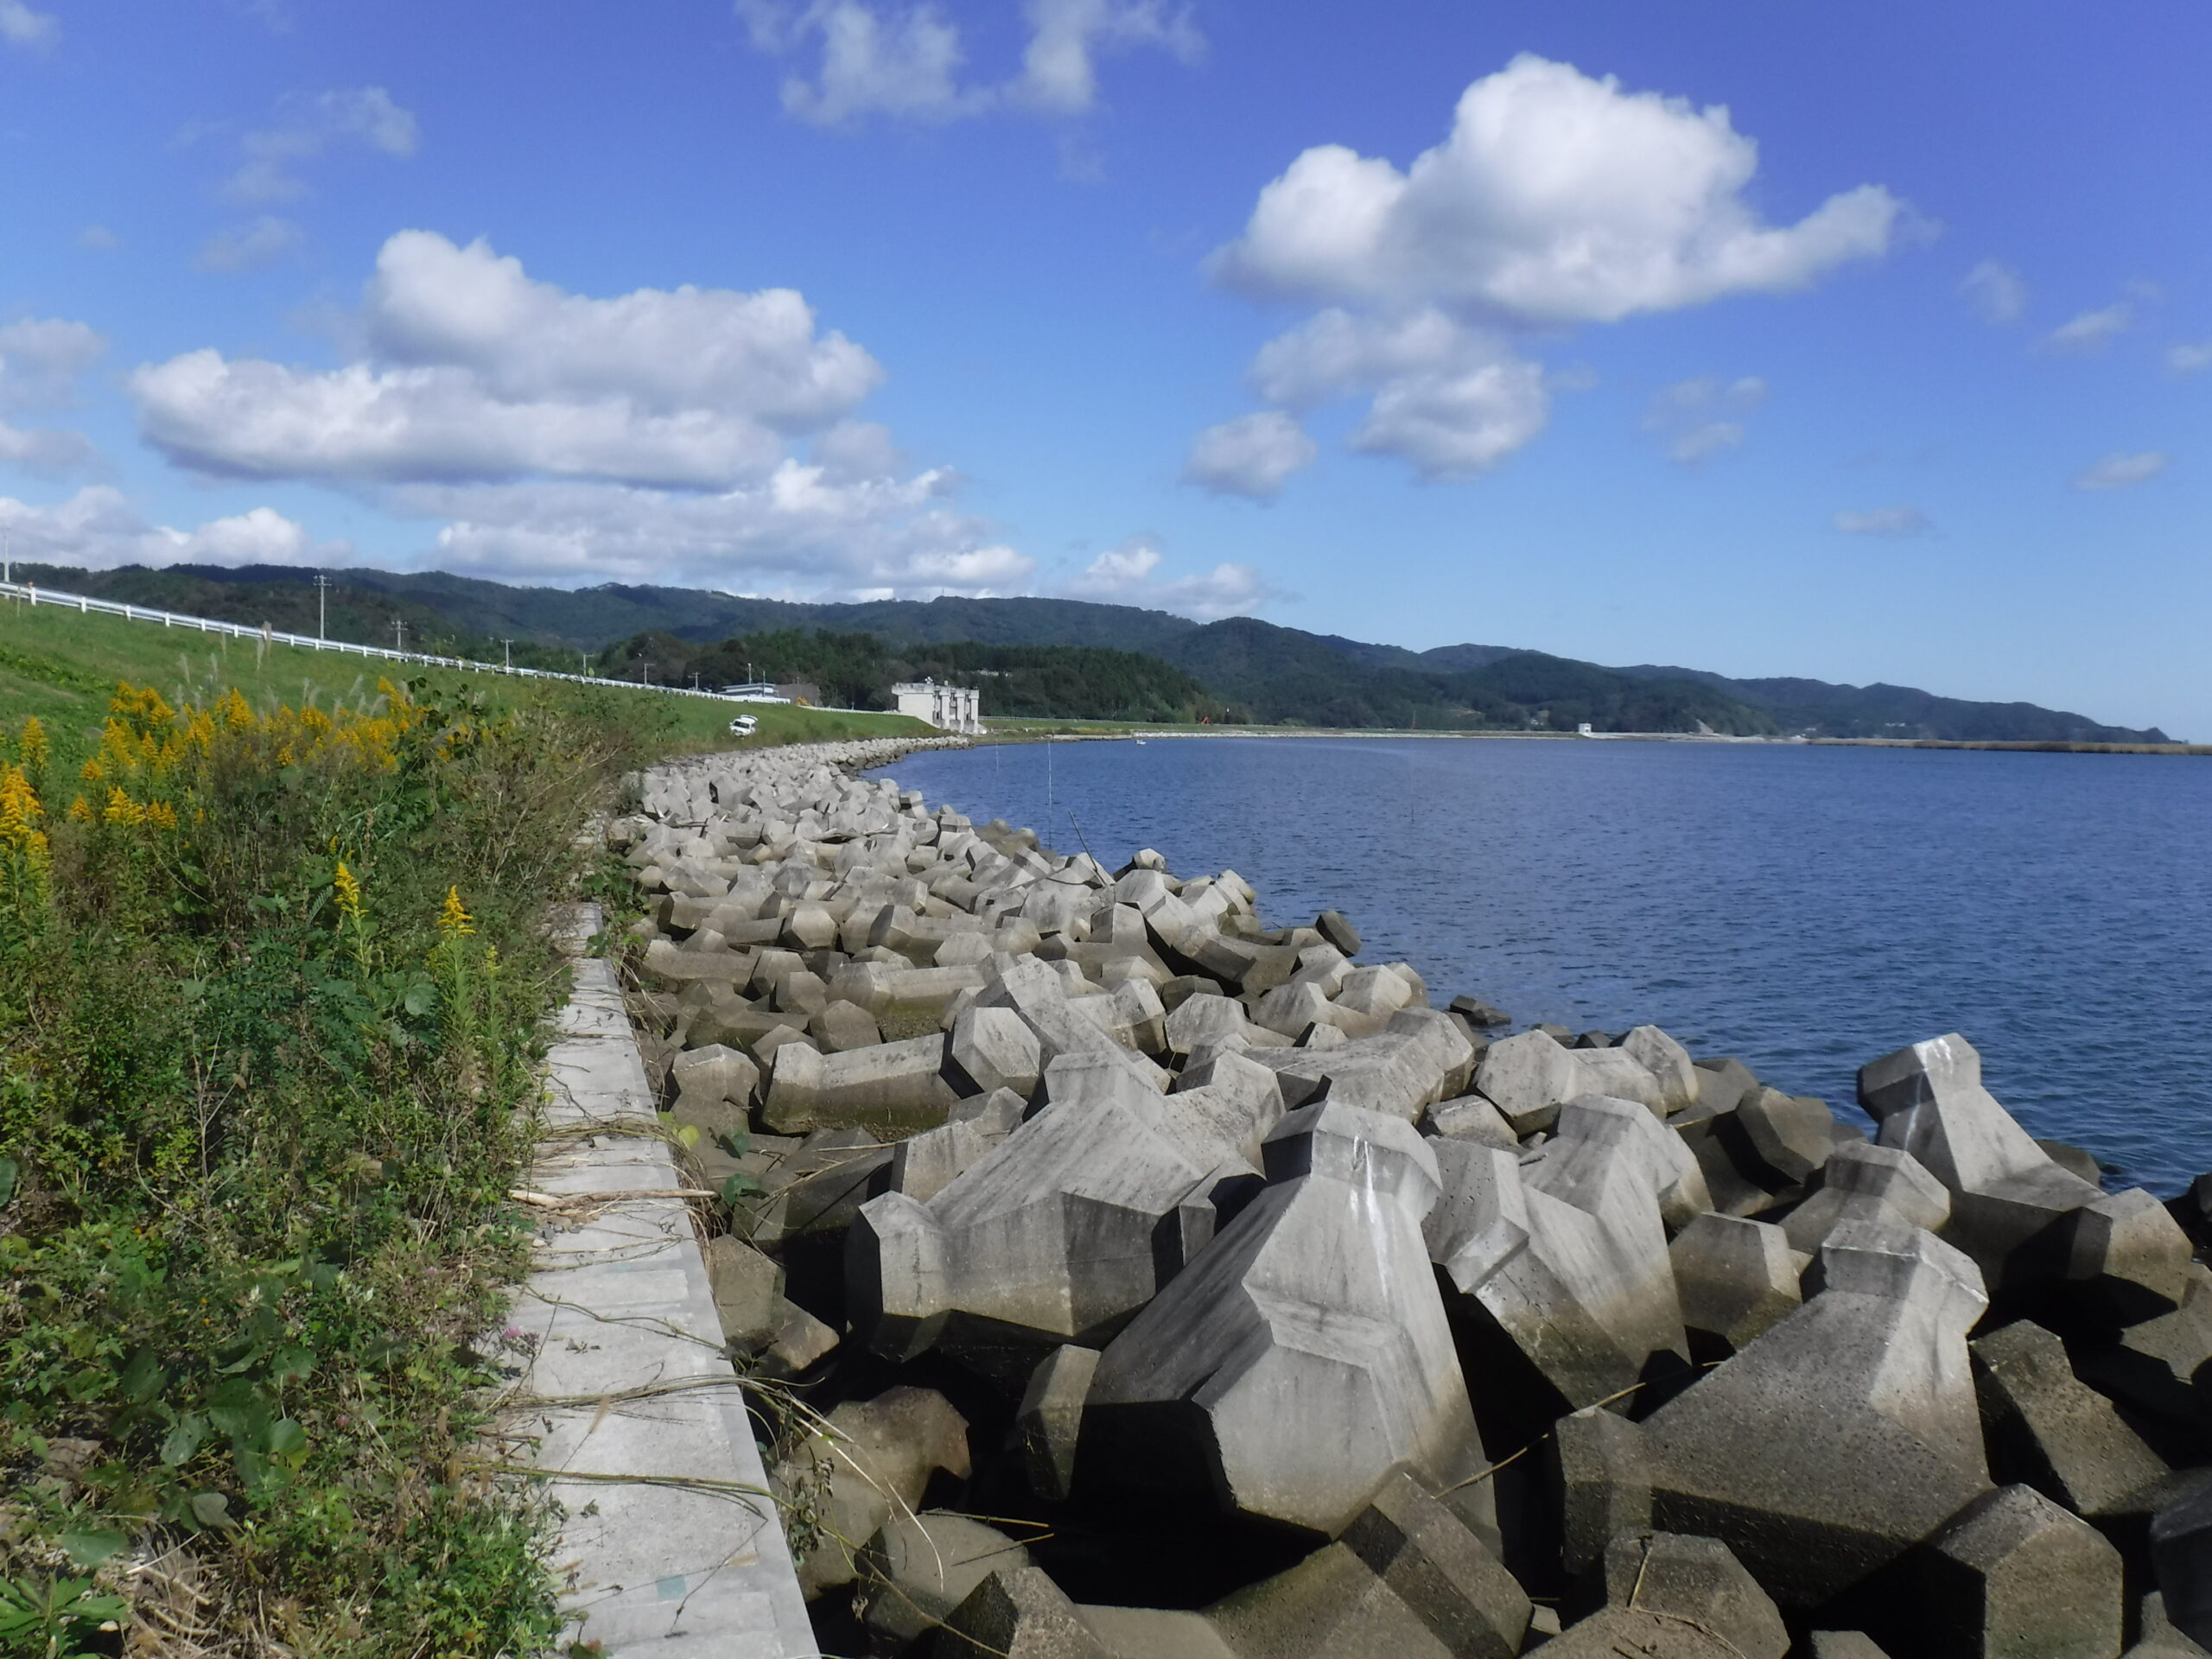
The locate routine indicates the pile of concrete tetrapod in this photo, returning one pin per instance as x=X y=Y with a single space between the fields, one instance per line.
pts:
x=1162 y=1282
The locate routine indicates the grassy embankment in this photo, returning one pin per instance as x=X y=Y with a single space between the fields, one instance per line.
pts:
x=270 y=1000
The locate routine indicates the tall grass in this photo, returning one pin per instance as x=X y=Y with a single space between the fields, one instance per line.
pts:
x=269 y=984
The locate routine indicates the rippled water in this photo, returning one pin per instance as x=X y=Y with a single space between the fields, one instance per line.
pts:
x=1804 y=908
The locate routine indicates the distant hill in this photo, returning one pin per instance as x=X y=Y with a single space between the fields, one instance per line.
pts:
x=1257 y=669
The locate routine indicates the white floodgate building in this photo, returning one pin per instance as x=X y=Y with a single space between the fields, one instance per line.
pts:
x=947 y=707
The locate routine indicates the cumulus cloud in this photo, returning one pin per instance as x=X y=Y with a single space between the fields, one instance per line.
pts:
x=305 y=125
x=798 y=530
x=21 y=26
x=904 y=61
x=41 y=359
x=2120 y=472
x=476 y=372
x=1995 y=290
x=1059 y=72
x=1252 y=456
x=2190 y=357
x=433 y=304
x=98 y=528
x=1555 y=198
x=1124 y=576
x=655 y=435
x=1884 y=521
x=1449 y=400
x=2090 y=332
x=44 y=451
x=248 y=246
x=1699 y=418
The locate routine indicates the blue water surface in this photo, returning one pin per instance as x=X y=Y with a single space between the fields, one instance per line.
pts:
x=1806 y=908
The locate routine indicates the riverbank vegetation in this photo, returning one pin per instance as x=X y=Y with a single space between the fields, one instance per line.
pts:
x=857 y=671
x=273 y=977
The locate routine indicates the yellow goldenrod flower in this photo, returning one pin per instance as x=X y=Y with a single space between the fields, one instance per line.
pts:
x=80 y=811
x=93 y=772
x=452 y=921
x=349 y=893
x=20 y=812
x=160 y=815
x=34 y=748
x=121 y=809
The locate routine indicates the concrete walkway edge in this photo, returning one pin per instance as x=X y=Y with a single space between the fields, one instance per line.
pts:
x=670 y=1542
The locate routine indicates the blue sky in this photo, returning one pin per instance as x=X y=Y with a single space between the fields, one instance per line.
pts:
x=1864 y=343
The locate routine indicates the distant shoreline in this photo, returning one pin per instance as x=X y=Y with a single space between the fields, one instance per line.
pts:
x=2040 y=746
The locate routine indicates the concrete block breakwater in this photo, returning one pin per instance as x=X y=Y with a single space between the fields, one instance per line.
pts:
x=1164 y=1282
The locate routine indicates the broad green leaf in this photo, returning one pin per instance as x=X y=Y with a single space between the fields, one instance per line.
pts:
x=143 y=1377
x=738 y=1186
x=86 y=1550
x=187 y=1438
x=211 y=1509
x=9 y=1170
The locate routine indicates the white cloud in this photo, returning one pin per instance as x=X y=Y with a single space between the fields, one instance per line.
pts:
x=2190 y=357
x=1884 y=521
x=653 y=435
x=1699 y=418
x=433 y=304
x=2119 y=472
x=894 y=62
x=797 y=531
x=2090 y=332
x=1057 y=72
x=1449 y=400
x=1555 y=198
x=44 y=451
x=477 y=372
x=41 y=359
x=248 y=418
x=1995 y=290
x=1454 y=421
x=1252 y=456
x=248 y=246
x=1123 y=575
x=98 y=529
x=853 y=450
x=904 y=61
x=21 y=26
x=305 y=125
x=97 y=238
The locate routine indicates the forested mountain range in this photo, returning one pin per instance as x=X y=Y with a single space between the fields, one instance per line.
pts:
x=1066 y=658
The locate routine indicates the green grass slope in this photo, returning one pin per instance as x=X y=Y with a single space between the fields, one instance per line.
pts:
x=63 y=666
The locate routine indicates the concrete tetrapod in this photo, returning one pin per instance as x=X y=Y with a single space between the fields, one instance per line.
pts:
x=2006 y=1193
x=1056 y=1235
x=1568 y=1254
x=1305 y=1354
x=2013 y=1574
x=1843 y=1436
x=1408 y=1580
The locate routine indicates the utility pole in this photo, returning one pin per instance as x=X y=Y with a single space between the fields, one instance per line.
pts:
x=695 y=679
x=321 y=606
x=510 y=647
x=399 y=633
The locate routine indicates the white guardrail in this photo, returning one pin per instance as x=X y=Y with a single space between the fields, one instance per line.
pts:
x=29 y=591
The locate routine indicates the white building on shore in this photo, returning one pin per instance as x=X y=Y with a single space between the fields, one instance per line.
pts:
x=947 y=707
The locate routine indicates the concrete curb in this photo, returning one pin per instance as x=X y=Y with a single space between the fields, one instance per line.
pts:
x=629 y=1378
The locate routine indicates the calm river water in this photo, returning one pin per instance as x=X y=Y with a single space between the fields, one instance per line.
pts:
x=1805 y=908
